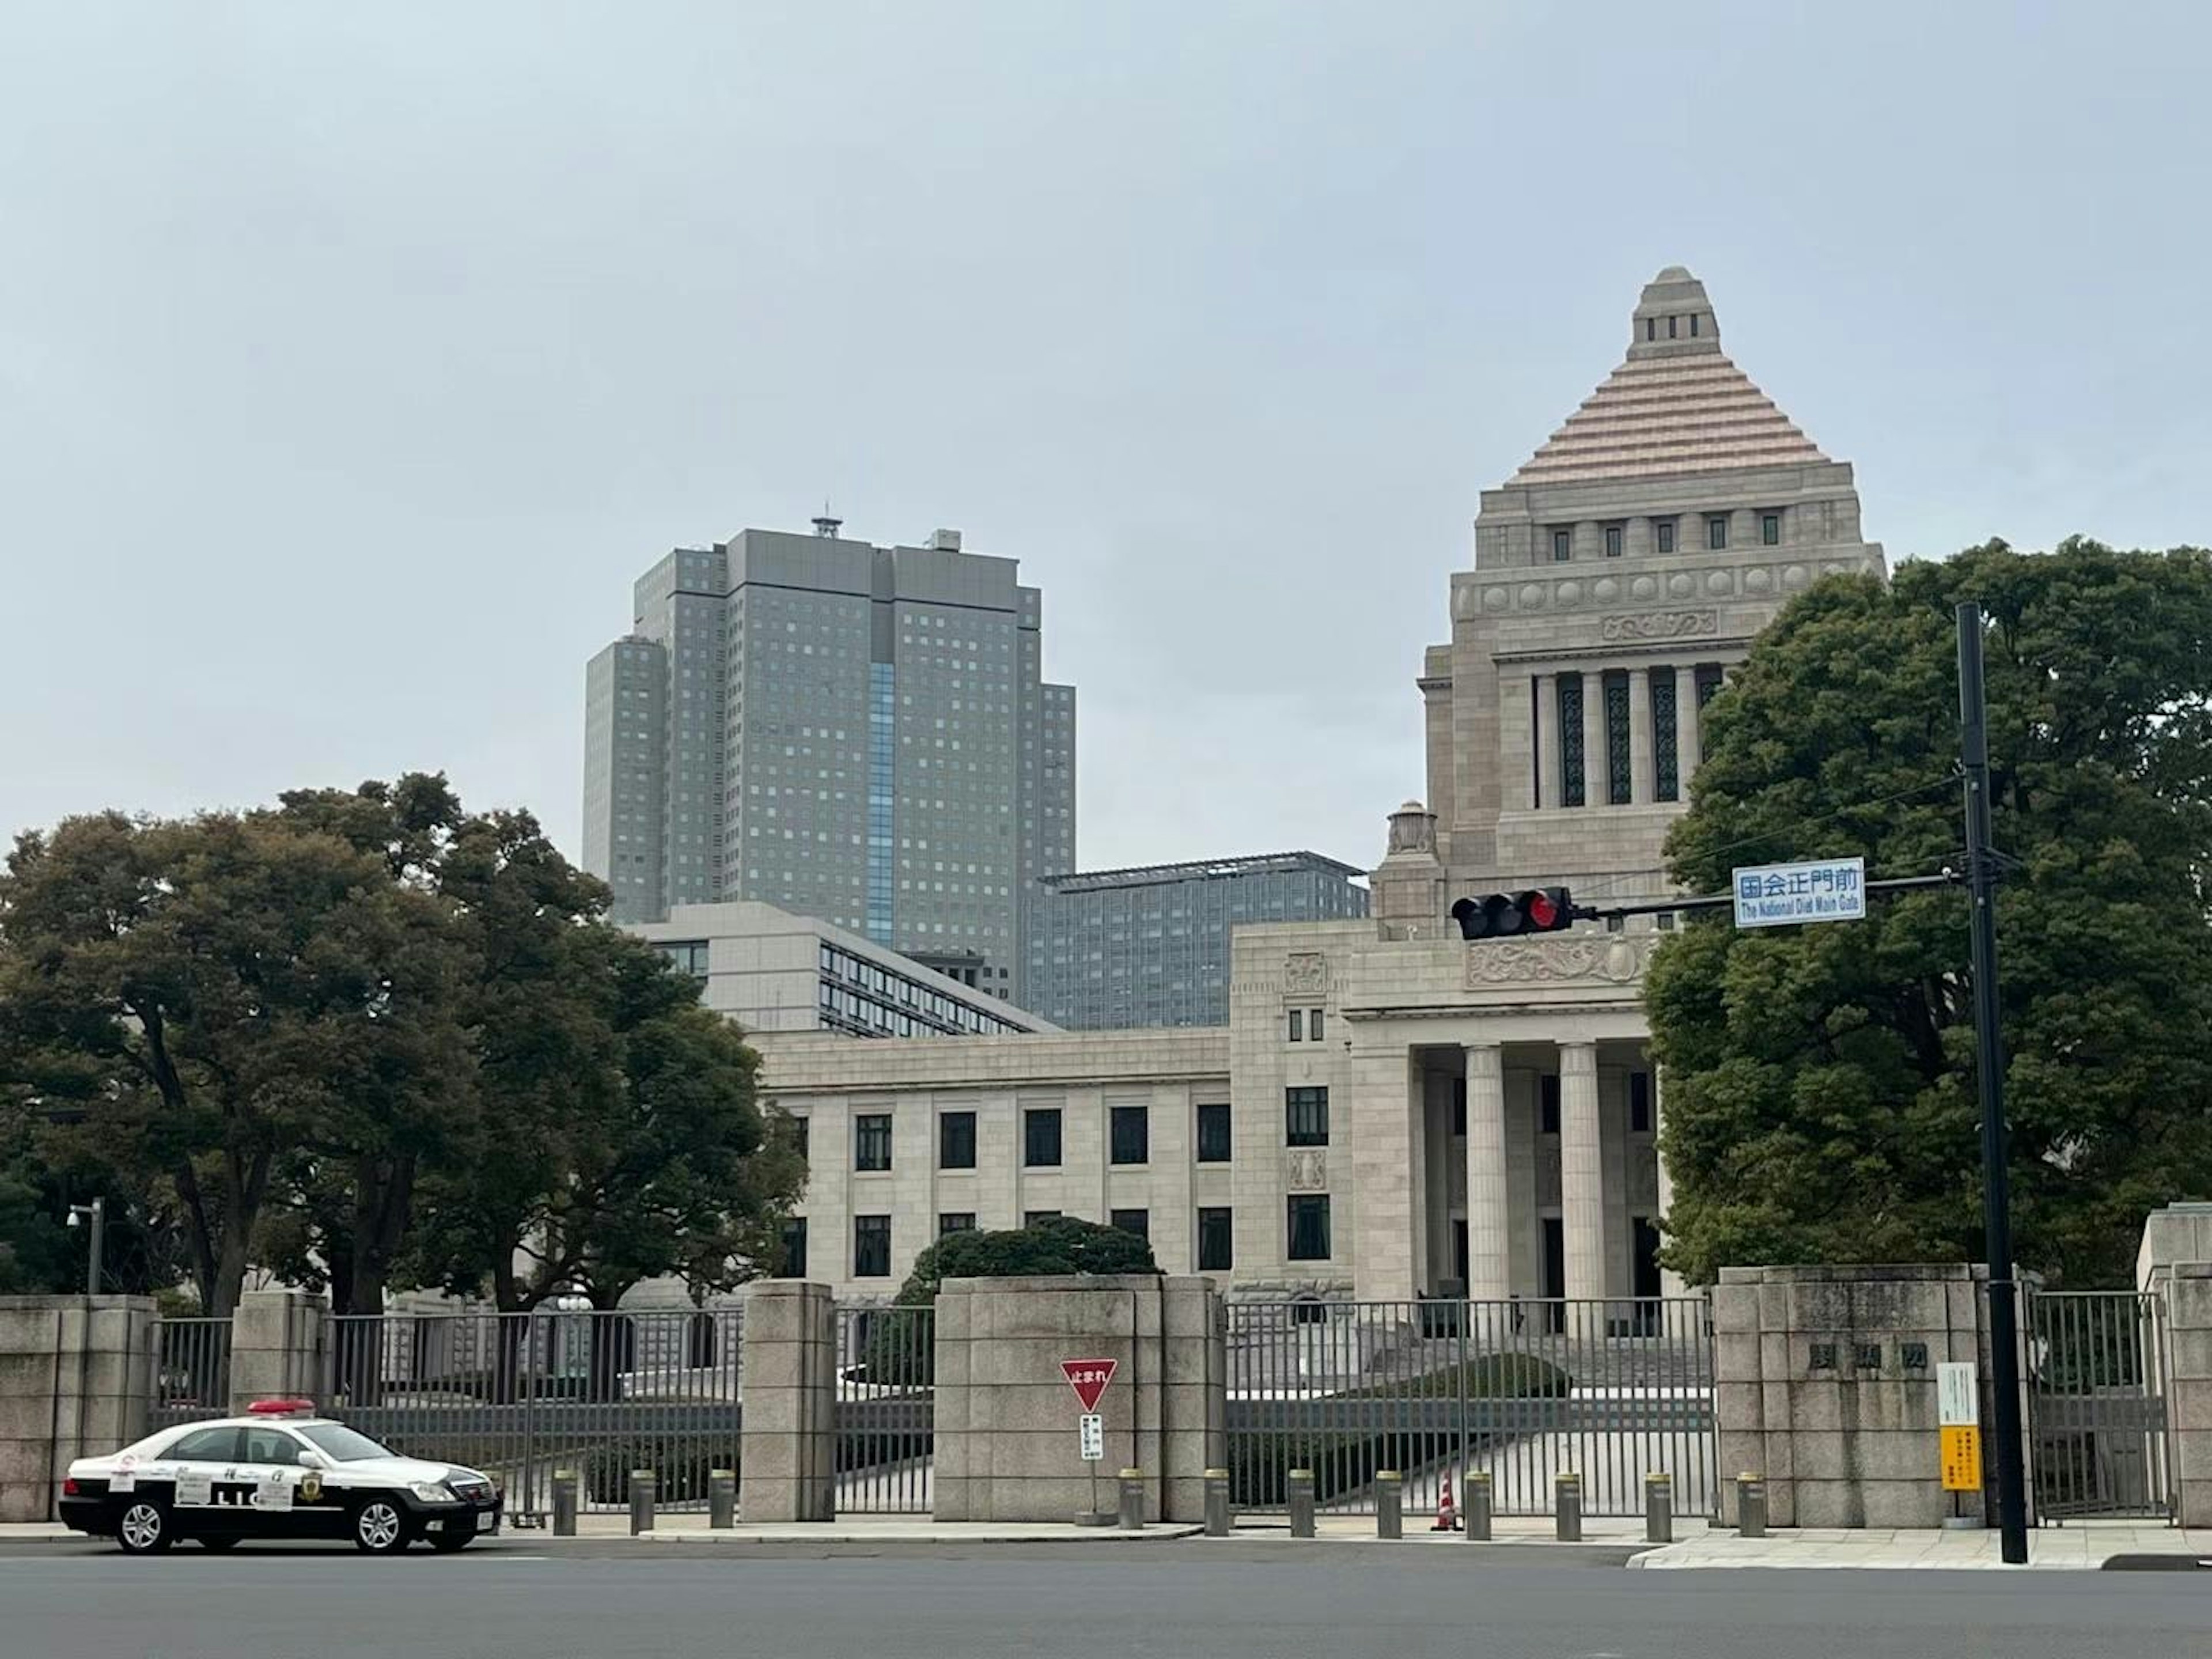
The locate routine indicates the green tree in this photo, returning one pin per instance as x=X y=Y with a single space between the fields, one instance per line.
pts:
x=211 y=998
x=1821 y=1102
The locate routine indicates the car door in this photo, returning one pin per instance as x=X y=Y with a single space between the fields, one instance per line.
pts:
x=200 y=1470
x=269 y=1467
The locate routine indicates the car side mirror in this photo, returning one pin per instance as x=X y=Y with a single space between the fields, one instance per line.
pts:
x=313 y=1460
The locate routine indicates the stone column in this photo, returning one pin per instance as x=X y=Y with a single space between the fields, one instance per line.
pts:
x=1386 y=1098
x=76 y=1377
x=278 y=1343
x=2188 y=1389
x=1597 y=782
x=1670 y=1282
x=1489 y=1271
x=788 y=1379
x=1581 y=1174
x=1547 y=740
x=1686 y=754
x=1643 y=751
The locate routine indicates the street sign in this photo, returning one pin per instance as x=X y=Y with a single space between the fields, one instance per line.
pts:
x=1778 y=895
x=1089 y=1378
x=1093 y=1429
x=1959 y=1411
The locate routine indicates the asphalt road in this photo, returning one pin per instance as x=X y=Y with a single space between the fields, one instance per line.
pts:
x=1164 y=1602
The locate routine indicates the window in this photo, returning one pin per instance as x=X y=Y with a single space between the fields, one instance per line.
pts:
x=1571 y=792
x=1139 y=1222
x=1131 y=1134
x=1614 y=534
x=1213 y=1140
x=871 y=1247
x=1459 y=1106
x=1298 y=1023
x=1306 y=1117
x=794 y=1248
x=1769 y=529
x=1313 y=1024
x=1716 y=531
x=1693 y=324
x=1040 y=1136
x=1665 y=922
x=956 y=1221
x=955 y=1140
x=1709 y=682
x=1639 y=1103
x=872 y=1141
x=212 y=1446
x=1563 y=546
x=1666 y=761
x=689 y=954
x=1651 y=328
x=1309 y=1228
x=1031 y=1217
x=1548 y=1104
x=1663 y=529
x=1673 y=330
x=1618 y=758
x=1217 y=1241
x=802 y=1135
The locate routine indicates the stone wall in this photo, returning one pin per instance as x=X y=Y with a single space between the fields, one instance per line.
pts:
x=1006 y=1418
x=788 y=1470
x=76 y=1375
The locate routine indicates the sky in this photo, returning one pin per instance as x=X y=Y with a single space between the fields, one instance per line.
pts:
x=353 y=361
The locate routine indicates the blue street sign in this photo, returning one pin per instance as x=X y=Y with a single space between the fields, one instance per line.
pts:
x=1778 y=895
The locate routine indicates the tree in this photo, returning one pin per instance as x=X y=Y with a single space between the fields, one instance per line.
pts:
x=210 y=997
x=1820 y=1088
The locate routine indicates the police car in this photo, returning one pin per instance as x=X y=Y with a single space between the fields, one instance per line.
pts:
x=278 y=1471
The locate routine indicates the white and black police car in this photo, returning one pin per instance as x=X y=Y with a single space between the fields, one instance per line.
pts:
x=279 y=1472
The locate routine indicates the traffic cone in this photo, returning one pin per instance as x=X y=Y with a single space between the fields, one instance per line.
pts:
x=1447 y=1517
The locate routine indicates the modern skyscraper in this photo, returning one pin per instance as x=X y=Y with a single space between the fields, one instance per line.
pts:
x=1109 y=949
x=857 y=734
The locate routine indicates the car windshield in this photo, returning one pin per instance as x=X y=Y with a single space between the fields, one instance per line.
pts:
x=338 y=1441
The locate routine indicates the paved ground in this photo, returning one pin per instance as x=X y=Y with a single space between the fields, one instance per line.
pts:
x=2082 y=1547
x=1234 y=1600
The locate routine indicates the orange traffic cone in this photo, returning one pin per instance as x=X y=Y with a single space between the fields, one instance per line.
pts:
x=1447 y=1517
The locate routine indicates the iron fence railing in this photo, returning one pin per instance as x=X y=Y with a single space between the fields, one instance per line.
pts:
x=1522 y=1390
x=191 y=1369
x=886 y=1399
x=2098 y=1366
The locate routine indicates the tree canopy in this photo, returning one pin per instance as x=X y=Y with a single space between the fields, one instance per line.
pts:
x=1820 y=1098
x=1052 y=1244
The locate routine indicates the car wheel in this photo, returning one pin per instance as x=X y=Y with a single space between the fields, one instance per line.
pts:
x=446 y=1542
x=378 y=1527
x=220 y=1541
x=144 y=1528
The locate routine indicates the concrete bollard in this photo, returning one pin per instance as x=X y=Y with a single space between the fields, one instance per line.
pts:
x=1301 y=1492
x=1659 y=1509
x=1390 y=1503
x=1477 y=1497
x=1217 y=1503
x=1750 y=1506
x=642 y=1483
x=722 y=1499
x=1132 y=1500
x=566 y=1489
x=1568 y=1501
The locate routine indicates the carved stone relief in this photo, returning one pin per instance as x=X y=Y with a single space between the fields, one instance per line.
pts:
x=1606 y=958
x=1659 y=625
x=1305 y=973
x=1306 y=1170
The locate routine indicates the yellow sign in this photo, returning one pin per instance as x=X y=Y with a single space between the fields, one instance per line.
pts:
x=1962 y=1457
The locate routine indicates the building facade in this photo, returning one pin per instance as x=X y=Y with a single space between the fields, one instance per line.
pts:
x=770 y=970
x=1114 y=949
x=1392 y=1111
x=858 y=733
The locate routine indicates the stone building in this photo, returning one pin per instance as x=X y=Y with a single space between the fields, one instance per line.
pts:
x=1391 y=1111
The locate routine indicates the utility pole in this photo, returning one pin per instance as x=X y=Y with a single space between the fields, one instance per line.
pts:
x=97 y=1213
x=1988 y=1068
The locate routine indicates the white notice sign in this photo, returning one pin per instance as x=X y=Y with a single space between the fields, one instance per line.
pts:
x=1958 y=1399
x=195 y=1488
x=1776 y=895
x=1094 y=1437
x=273 y=1494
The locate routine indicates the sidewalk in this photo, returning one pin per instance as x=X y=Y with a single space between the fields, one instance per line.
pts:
x=1529 y=1531
x=2079 y=1548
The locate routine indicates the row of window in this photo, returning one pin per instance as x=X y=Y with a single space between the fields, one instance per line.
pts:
x=1306 y=1024
x=1614 y=687
x=1129 y=1133
x=1307 y=1235
x=1663 y=532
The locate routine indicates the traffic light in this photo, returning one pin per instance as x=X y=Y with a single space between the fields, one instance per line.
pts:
x=1509 y=916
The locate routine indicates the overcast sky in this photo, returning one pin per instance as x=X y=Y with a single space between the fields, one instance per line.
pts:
x=352 y=360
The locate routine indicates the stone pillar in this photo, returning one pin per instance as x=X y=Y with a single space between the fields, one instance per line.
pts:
x=1386 y=1100
x=1006 y=1439
x=2188 y=1389
x=1547 y=740
x=788 y=1380
x=1643 y=752
x=1686 y=754
x=1581 y=1172
x=1670 y=1282
x=1597 y=783
x=77 y=1379
x=278 y=1339
x=1489 y=1274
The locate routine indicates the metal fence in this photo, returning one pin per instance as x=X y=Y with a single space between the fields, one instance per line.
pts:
x=191 y=1369
x=886 y=1405
x=1523 y=1390
x=521 y=1395
x=2098 y=1364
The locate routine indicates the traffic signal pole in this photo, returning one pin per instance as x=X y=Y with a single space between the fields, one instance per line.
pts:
x=1990 y=1064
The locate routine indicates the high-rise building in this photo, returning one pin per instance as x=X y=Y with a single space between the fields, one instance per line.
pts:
x=1109 y=949
x=862 y=734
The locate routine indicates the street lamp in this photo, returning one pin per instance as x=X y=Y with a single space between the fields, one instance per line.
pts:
x=98 y=1211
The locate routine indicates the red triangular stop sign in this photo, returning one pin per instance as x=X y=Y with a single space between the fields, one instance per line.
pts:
x=1089 y=1378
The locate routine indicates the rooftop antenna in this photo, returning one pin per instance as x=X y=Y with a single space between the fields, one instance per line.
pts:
x=825 y=526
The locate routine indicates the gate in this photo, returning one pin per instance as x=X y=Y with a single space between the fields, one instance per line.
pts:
x=1524 y=1390
x=192 y=1370
x=2098 y=1362
x=886 y=1410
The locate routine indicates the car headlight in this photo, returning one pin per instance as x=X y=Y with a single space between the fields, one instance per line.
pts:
x=431 y=1493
